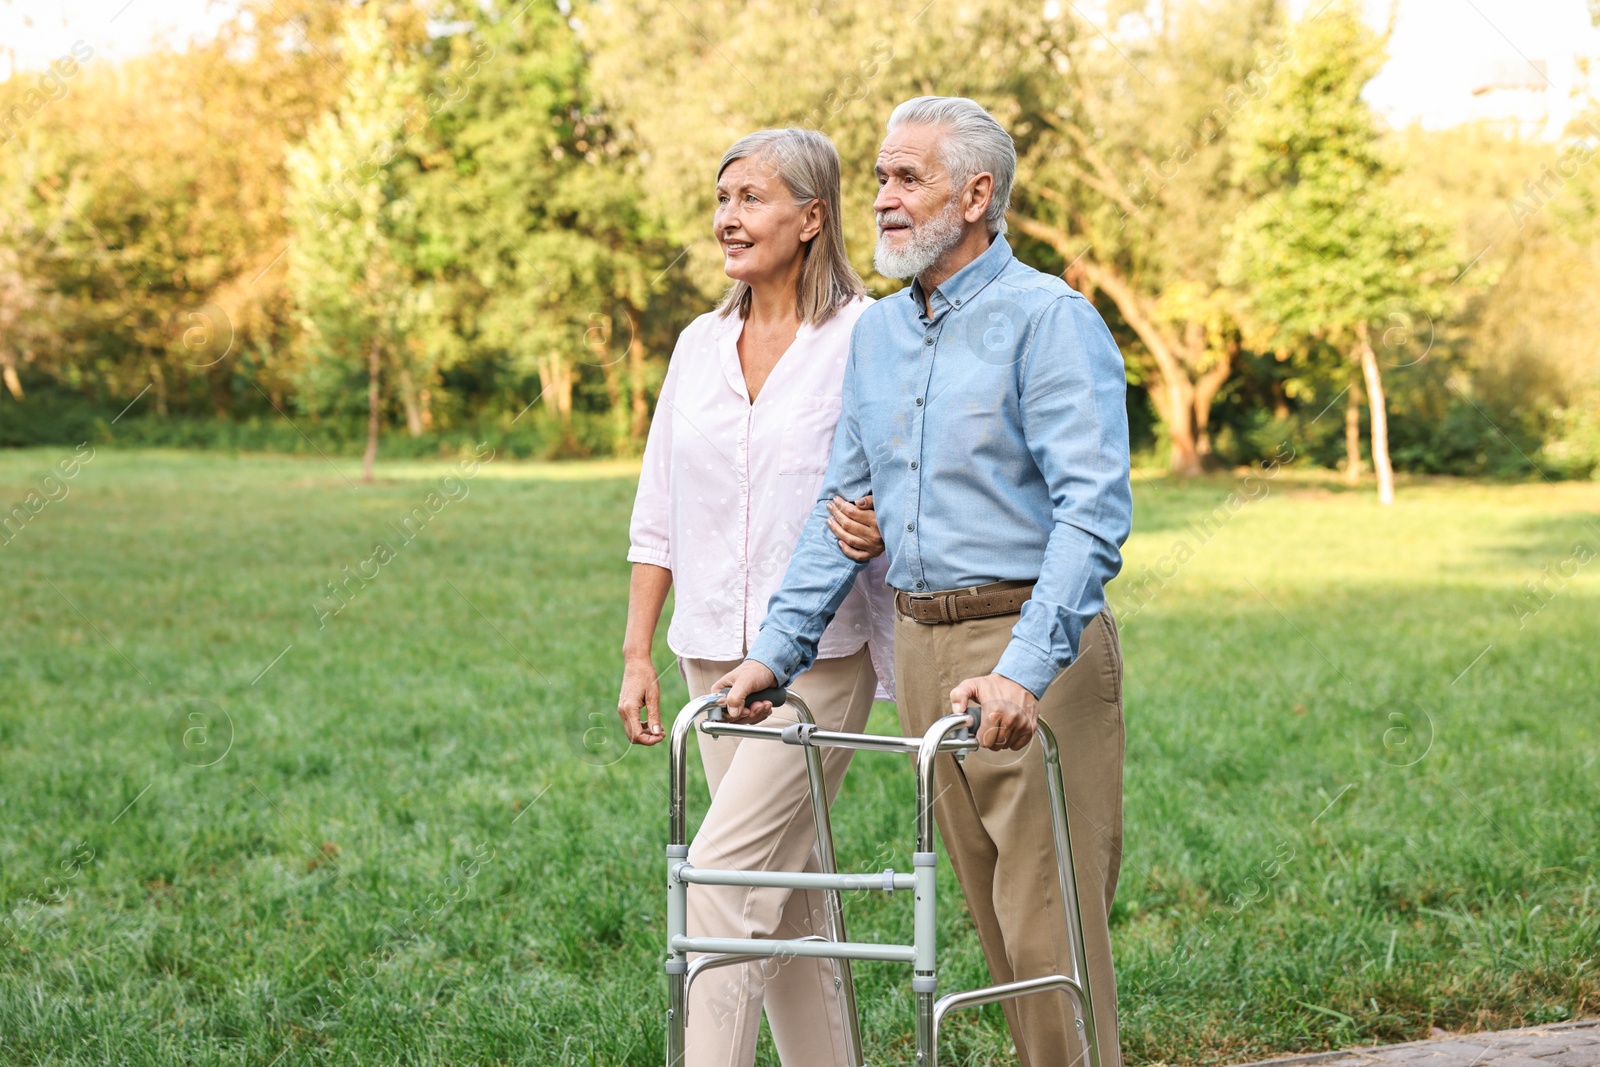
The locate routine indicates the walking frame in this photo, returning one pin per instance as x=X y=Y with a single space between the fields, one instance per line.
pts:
x=952 y=734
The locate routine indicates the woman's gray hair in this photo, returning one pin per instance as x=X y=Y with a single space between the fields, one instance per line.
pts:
x=973 y=143
x=806 y=162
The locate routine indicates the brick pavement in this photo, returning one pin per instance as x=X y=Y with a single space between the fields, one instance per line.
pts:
x=1574 y=1044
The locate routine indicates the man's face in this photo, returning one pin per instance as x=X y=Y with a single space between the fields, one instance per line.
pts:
x=919 y=217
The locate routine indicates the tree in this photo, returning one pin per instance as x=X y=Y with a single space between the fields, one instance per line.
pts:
x=530 y=219
x=1125 y=174
x=1094 y=126
x=1330 y=259
x=346 y=210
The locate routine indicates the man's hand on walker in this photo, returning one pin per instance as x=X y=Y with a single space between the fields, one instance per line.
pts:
x=856 y=527
x=641 y=689
x=746 y=678
x=1010 y=712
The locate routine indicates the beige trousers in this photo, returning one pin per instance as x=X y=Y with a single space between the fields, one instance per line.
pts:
x=993 y=813
x=760 y=819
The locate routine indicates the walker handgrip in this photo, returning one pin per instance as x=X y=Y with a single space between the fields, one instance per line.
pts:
x=975 y=714
x=777 y=694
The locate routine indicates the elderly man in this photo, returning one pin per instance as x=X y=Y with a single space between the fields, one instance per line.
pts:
x=984 y=410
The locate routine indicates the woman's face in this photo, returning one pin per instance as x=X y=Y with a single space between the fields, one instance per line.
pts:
x=759 y=226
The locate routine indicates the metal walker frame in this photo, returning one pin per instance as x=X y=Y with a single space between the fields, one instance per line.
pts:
x=952 y=734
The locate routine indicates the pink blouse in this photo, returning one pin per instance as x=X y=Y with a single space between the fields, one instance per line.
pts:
x=727 y=485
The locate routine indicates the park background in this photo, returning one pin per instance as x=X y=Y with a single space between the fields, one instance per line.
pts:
x=331 y=278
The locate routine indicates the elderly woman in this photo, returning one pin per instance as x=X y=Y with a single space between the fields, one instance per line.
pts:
x=734 y=463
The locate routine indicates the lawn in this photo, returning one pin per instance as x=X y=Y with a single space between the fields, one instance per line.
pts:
x=244 y=820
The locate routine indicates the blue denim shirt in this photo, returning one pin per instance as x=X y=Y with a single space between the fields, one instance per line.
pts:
x=993 y=435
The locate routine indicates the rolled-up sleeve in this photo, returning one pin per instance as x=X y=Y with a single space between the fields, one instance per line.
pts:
x=649 y=531
x=1075 y=422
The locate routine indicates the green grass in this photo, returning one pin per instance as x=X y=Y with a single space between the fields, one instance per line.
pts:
x=423 y=844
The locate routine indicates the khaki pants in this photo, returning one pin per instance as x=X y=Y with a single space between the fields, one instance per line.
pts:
x=993 y=813
x=760 y=819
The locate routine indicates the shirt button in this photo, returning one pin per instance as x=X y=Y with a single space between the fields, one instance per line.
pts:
x=919 y=401
x=919 y=585
x=913 y=464
x=911 y=527
x=927 y=340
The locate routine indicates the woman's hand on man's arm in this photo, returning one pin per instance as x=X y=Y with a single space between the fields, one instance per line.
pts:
x=856 y=527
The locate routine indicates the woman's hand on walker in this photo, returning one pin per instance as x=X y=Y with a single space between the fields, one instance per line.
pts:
x=641 y=688
x=748 y=677
x=856 y=527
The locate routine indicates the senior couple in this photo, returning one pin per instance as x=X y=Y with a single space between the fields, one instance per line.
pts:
x=920 y=498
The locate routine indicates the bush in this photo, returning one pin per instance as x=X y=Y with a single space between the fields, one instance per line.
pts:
x=54 y=418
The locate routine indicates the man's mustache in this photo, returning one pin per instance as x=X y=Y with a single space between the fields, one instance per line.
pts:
x=885 y=217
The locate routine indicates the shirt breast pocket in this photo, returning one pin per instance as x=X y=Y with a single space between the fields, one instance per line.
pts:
x=807 y=441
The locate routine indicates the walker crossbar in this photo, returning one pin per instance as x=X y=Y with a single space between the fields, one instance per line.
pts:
x=758 y=948
x=795 y=879
x=951 y=734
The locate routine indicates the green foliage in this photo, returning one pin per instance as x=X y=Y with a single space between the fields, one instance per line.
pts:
x=349 y=215
x=512 y=201
x=1326 y=247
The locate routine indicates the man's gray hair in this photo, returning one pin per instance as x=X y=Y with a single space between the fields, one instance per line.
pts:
x=973 y=143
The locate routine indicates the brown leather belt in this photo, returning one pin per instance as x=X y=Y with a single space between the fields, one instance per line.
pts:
x=958 y=605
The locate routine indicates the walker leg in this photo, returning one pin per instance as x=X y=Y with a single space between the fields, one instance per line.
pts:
x=1069 y=892
x=677 y=964
x=835 y=917
x=676 y=1006
x=927 y=1036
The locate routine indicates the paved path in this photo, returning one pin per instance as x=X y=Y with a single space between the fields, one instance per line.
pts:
x=1574 y=1044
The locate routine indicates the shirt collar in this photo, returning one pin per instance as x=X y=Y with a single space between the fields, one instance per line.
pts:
x=966 y=283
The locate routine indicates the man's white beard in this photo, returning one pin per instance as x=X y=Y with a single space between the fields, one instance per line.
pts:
x=922 y=248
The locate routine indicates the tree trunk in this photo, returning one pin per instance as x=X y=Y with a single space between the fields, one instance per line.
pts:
x=555 y=379
x=1352 y=435
x=1173 y=391
x=1280 y=401
x=218 y=386
x=1174 y=403
x=425 y=402
x=8 y=372
x=615 y=412
x=638 y=399
x=408 y=398
x=1380 y=417
x=371 y=456
x=1205 y=391
x=159 y=380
